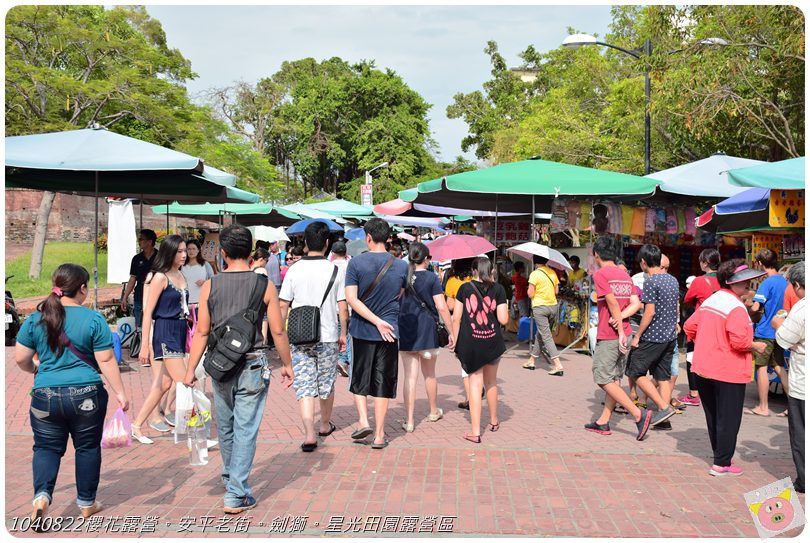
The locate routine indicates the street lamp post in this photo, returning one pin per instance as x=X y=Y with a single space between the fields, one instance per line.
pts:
x=366 y=196
x=575 y=41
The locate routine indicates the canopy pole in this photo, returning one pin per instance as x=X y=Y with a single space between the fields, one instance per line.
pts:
x=531 y=238
x=141 y=223
x=95 y=255
x=496 y=225
x=167 y=218
x=532 y=234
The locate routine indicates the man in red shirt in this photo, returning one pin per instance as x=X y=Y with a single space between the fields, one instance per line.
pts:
x=614 y=291
x=521 y=290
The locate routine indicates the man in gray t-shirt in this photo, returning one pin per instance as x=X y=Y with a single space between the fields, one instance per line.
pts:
x=273 y=266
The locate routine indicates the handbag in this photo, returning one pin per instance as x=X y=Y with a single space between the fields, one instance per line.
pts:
x=304 y=322
x=135 y=344
x=230 y=341
x=442 y=334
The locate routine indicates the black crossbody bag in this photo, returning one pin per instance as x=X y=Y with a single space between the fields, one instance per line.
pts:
x=230 y=341
x=441 y=330
x=304 y=322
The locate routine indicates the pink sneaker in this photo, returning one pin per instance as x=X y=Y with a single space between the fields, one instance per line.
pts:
x=731 y=470
x=689 y=400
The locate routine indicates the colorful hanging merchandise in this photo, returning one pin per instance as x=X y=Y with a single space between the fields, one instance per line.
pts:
x=689 y=217
x=679 y=214
x=637 y=224
x=672 y=222
x=660 y=220
x=614 y=218
x=649 y=225
x=627 y=220
x=573 y=213
x=559 y=217
x=585 y=215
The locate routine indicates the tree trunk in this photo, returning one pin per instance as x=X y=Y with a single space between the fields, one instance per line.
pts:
x=41 y=232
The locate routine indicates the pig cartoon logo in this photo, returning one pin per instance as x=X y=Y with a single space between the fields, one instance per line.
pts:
x=774 y=514
x=775 y=508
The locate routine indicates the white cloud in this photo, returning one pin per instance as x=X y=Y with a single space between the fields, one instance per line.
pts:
x=438 y=51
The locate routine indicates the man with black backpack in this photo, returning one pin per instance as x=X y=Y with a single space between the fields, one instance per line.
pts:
x=229 y=324
x=375 y=282
x=314 y=289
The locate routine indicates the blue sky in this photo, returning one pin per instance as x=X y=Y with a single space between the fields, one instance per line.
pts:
x=437 y=50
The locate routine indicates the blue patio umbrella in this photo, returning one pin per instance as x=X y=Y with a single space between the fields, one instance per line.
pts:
x=300 y=226
x=355 y=233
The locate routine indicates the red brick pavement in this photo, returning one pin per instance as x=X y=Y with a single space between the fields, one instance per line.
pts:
x=541 y=474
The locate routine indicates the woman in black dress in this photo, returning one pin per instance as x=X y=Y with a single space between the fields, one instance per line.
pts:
x=480 y=311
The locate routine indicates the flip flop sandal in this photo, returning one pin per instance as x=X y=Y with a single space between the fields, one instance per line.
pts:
x=332 y=428
x=494 y=427
x=472 y=439
x=362 y=433
x=749 y=411
x=309 y=447
x=382 y=445
x=783 y=413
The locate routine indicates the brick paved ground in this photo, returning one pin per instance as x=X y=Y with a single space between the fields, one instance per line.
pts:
x=541 y=474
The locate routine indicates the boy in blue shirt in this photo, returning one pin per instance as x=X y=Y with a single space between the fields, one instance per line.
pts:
x=769 y=298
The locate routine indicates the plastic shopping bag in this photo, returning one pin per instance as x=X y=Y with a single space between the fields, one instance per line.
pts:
x=117 y=431
x=202 y=409
x=184 y=404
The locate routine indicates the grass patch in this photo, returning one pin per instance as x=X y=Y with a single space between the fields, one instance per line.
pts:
x=56 y=253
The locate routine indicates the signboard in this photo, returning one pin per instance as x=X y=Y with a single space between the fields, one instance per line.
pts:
x=766 y=241
x=786 y=208
x=366 y=195
x=509 y=232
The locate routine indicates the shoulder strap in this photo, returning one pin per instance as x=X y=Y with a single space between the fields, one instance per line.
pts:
x=547 y=276
x=83 y=357
x=256 y=298
x=708 y=281
x=377 y=279
x=423 y=303
x=331 y=282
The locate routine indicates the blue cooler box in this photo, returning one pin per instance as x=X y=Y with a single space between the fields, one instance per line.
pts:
x=523 y=328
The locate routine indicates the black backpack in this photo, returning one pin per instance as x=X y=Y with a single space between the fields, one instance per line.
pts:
x=230 y=341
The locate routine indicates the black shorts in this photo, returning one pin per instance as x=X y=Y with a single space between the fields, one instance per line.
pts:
x=655 y=358
x=374 y=368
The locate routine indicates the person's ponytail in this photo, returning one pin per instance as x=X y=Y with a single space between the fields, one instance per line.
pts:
x=67 y=280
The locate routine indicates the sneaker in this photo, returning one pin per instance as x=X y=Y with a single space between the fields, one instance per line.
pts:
x=686 y=399
x=661 y=415
x=643 y=424
x=732 y=470
x=343 y=370
x=602 y=429
x=168 y=420
x=159 y=426
x=248 y=502
x=666 y=425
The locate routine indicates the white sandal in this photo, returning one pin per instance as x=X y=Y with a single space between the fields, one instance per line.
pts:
x=435 y=418
x=140 y=438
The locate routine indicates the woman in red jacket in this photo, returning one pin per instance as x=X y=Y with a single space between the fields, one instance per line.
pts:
x=724 y=339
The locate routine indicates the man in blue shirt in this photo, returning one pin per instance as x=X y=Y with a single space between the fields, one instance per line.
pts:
x=375 y=281
x=769 y=299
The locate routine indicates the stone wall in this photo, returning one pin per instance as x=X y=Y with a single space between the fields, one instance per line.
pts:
x=72 y=217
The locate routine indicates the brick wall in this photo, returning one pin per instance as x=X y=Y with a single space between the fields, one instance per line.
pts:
x=72 y=217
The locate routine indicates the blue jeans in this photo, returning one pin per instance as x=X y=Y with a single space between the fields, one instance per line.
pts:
x=239 y=406
x=57 y=413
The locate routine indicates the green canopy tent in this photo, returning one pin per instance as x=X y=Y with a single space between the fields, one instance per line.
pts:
x=97 y=162
x=245 y=214
x=505 y=187
x=785 y=174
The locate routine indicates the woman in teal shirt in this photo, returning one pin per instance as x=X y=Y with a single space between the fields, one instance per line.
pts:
x=68 y=398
